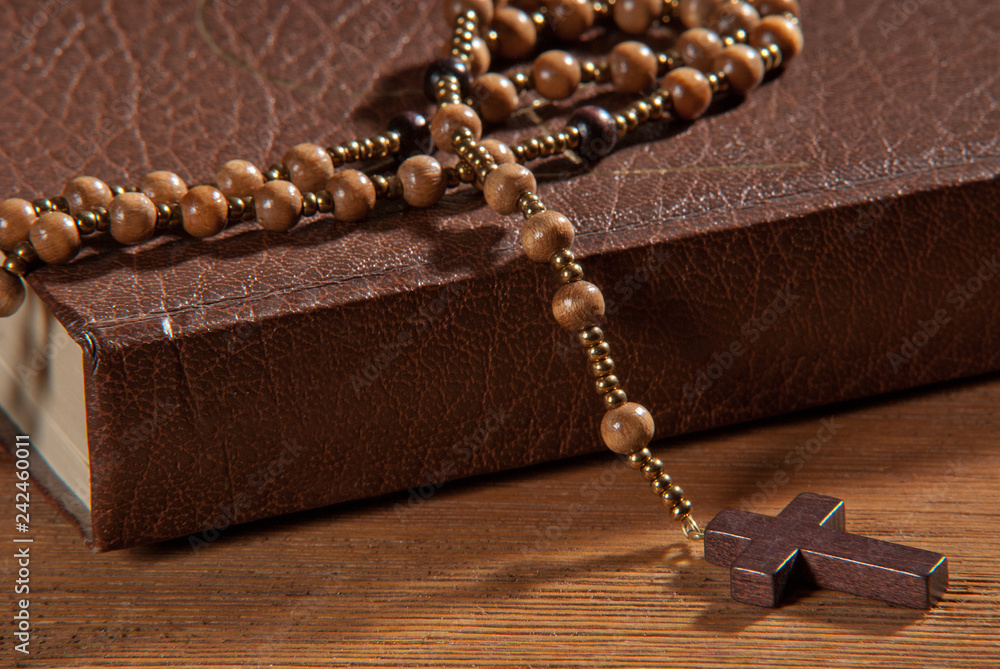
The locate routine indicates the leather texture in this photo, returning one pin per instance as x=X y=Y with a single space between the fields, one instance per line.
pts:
x=773 y=256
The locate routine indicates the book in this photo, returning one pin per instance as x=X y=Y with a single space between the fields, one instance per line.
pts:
x=832 y=237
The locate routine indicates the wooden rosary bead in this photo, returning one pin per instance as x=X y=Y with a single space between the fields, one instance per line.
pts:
x=86 y=194
x=238 y=178
x=570 y=18
x=132 y=218
x=309 y=166
x=279 y=205
x=163 y=187
x=500 y=151
x=578 y=305
x=424 y=181
x=780 y=31
x=479 y=58
x=743 y=67
x=627 y=428
x=698 y=48
x=505 y=185
x=496 y=95
x=55 y=238
x=545 y=234
x=733 y=17
x=455 y=8
x=636 y=16
x=11 y=293
x=690 y=92
x=353 y=194
x=16 y=217
x=694 y=13
x=205 y=211
x=633 y=67
x=451 y=118
x=769 y=7
x=556 y=74
x=516 y=32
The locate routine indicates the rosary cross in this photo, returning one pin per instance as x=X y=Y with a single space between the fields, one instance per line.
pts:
x=807 y=542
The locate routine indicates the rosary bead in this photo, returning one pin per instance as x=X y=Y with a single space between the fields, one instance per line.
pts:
x=11 y=292
x=16 y=217
x=103 y=222
x=590 y=336
x=500 y=151
x=516 y=32
x=654 y=467
x=447 y=67
x=545 y=234
x=598 y=134
x=496 y=95
x=59 y=203
x=479 y=57
x=456 y=8
x=414 y=134
x=628 y=428
x=451 y=118
x=26 y=252
x=562 y=259
x=733 y=17
x=698 y=47
x=310 y=205
x=279 y=205
x=694 y=13
x=117 y=190
x=570 y=273
x=324 y=201
x=556 y=74
x=578 y=305
x=205 y=211
x=690 y=92
x=681 y=509
x=602 y=367
x=235 y=208
x=353 y=195
x=743 y=67
x=43 y=205
x=132 y=218
x=638 y=459
x=779 y=30
x=671 y=493
x=164 y=215
x=424 y=181
x=633 y=67
x=309 y=166
x=86 y=222
x=55 y=237
x=505 y=185
x=15 y=265
x=606 y=383
x=769 y=7
x=163 y=187
x=570 y=18
x=599 y=351
x=238 y=178
x=86 y=193
x=636 y=16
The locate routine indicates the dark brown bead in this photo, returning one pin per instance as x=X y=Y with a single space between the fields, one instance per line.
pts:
x=414 y=132
x=11 y=293
x=516 y=32
x=16 y=217
x=496 y=96
x=636 y=16
x=132 y=218
x=596 y=127
x=279 y=205
x=204 y=211
x=690 y=92
x=55 y=238
x=743 y=67
x=633 y=67
x=570 y=18
x=698 y=47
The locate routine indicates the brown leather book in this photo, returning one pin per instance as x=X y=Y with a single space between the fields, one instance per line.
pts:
x=833 y=237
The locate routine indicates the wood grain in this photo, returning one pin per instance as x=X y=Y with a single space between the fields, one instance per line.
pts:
x=570 y=564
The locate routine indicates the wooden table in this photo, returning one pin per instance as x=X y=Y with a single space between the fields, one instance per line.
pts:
x=572 y=564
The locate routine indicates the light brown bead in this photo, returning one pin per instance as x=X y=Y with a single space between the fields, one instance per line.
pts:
x=633 y=67
x=278 y=205
x=556 y=74
x=505 y=185
x=690 y=92
x=627 y=428
x=309 y=166
x=781 y=31
x=502 y=154
x=132 y=218
x=86 y=194
x=769 y=7
x=16 y=217
x=423 y=179
x=238 y=178
x=578 y=305
x=479 y=59
x=545 y=234
x=743 y=67
x=570 y=18
x=732 y=17
x=11 y=293
x=451 y=118
x=163 y=187
x=694 y=13
x=55 y=238
x=205 y=211
x=636 y=16
x=353 y=195
x=516 y=33
x=496 y=95
x=698 y=48
x=456 y=8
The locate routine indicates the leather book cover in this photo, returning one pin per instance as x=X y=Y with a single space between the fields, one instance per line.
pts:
x=832 y=237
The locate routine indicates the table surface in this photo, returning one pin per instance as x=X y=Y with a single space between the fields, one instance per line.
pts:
x=569 y=564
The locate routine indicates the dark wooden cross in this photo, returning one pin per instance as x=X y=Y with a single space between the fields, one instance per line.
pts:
x=807 y=542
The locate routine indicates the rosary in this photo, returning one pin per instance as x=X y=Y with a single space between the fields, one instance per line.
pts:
x=726 y=47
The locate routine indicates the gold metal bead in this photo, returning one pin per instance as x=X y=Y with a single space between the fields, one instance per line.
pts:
x=681 y=509
x=324 y=201
x=395 y=189
x=353 y=150
x=59 y=203
x=381 y=185
x=236 y=209
x=661 y=482
x=621 y=125
x=715 y=81
x=570 y=273
x=466 y=173
x=86 y=222
x=587 y=71
x=451 y=174
x=394 y=140
x=615 y=399
x=563 y=258
x=674 y=493
x=655 y=102
x=522 y=81
x=249 y=209
x=103 y=222
x=26 y=252
x=638 y=459
x=606 y=384
x=572 y=137
x=163 y=216
x=602 y=367
x=43 y=205
x=118 y=190
x=599 y=351
x=530 y=204
x=641 y=109
x=652 y=469
x=309 y=204
x=631 y=120
x=590 y=336
x=338 y=154
x=15 y=265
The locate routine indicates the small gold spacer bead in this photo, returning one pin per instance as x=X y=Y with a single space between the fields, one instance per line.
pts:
x=631 y=120
x=652 y=469
x=236 y=209
x=338 y=154
x=309 y=204
x=103 y=222
x=638 y=459
x=681 y=509
x=661 y=483
x=324 y=201
x=380 y=185
x=395 y=188
x=590 y=336
x=570 y=273
x=562 y=259
x=86 y=222
x=43 y=205
x=26 y=252
x=572 y=137
x=164 y=214
x=621 y=125
x=249 y=209
x=642 y=110
x=587 y=71
x=615 y=399
x=602 y=367
x=15 y=265
x=598 y=351
x=466 y=173
x=605 y=384
x=530 y=204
